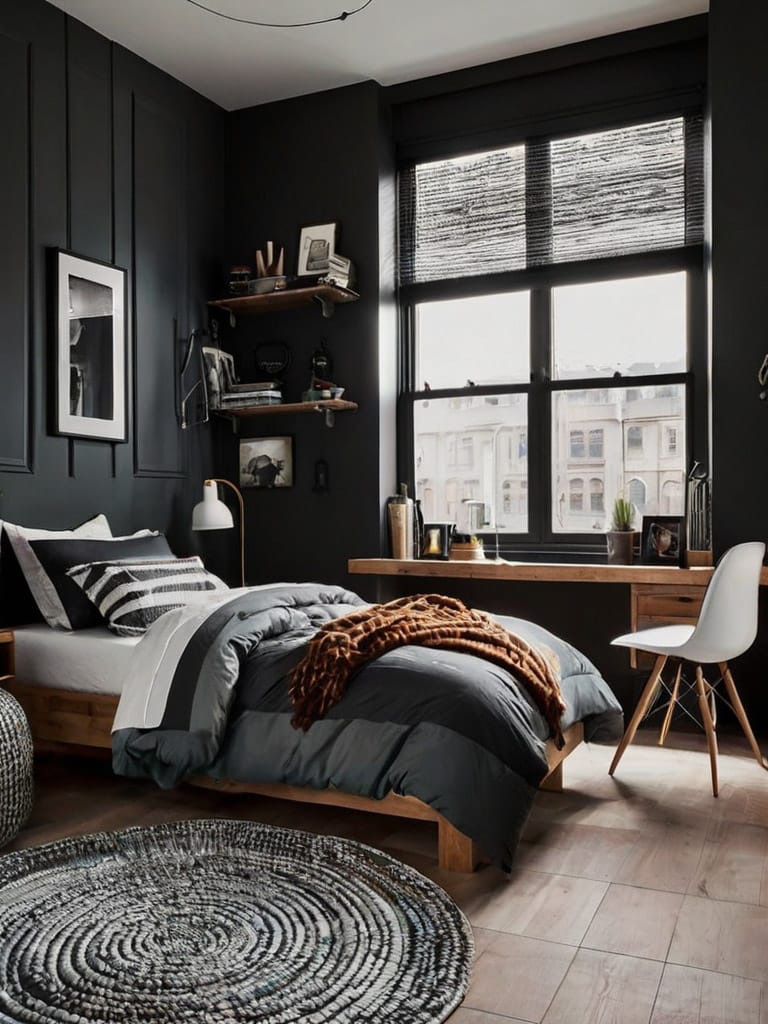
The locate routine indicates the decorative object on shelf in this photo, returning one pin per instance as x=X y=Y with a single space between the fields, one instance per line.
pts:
x=400 y=519
x=16 y=786
x=321 y=361
x=282 y=24
x=219 y=374
x=218 y=920
x=437 y=540
x=466 y=548
x=190 y=415
x=341 y=272
x=238 y=278
x=272 y=358
x=317 y=243
x=266 y=462
x=269 y=265
x=264 y=285
x=620 y=538
x=91 y=384
x=212 y=514
x=663 y=540
x=699 y=518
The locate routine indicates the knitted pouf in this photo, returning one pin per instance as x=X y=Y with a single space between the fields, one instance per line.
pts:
x=224 y=922
x=15 y=767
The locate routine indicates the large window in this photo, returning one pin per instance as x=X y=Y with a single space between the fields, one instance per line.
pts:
x=551 y=369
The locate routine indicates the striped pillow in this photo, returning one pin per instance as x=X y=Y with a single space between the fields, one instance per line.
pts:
x=132 y=595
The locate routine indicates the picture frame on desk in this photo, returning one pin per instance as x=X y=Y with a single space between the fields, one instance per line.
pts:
x=437 y=541
x=663 y=540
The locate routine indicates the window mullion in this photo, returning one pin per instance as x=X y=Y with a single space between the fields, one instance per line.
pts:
x=539 y=447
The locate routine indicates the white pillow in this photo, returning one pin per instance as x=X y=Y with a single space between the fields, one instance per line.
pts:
x=41 y=588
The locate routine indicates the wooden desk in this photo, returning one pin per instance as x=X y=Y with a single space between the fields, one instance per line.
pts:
x=659 y=594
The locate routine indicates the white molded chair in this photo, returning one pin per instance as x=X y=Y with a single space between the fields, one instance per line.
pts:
x=727 y=626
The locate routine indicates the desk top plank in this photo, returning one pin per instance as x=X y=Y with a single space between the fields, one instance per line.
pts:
x=562 y=572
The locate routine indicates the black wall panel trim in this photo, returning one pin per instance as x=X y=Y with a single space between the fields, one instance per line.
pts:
x=15 y=254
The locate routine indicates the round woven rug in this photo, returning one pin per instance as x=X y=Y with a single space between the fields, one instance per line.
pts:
x=221 y=921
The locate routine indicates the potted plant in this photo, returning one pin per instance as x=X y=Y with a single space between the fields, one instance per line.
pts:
x=621 y=536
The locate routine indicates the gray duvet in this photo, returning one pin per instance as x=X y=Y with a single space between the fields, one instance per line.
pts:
x=451 y=729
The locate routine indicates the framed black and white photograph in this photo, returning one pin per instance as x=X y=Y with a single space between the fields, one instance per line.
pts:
x=90 y=379
x=663 y=540
x=266 y=462
x=317 y=243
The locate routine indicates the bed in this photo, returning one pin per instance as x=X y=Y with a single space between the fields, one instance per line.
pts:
x=71 y=685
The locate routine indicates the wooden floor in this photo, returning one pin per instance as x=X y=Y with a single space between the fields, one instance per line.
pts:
x=633 y=900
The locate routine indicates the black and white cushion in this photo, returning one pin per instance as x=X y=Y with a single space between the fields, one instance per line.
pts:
x=21 y=576
x=131 y=596
x=64 y=604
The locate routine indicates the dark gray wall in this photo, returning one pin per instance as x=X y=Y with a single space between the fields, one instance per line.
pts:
x=105 y=155
x=738 y=92
x=325 y=157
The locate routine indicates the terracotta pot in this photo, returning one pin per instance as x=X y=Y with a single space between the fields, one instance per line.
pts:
x=620 y=546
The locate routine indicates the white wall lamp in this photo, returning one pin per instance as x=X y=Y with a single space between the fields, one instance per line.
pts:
x=212 y=514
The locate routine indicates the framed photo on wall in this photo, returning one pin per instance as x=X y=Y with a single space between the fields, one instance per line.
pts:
x=663 y=540
x=266 y=462
x=90 y=380
x=317 y=243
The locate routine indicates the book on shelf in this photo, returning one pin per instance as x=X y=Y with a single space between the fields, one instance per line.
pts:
x=243 y=400
x=259 y=385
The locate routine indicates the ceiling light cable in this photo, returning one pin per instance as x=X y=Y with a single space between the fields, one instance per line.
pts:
x=281 y=24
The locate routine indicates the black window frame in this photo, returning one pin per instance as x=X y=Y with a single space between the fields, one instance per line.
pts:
x=540 y=281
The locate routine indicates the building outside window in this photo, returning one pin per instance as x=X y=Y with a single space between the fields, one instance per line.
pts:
x=572 y=352
x=634 y=440
x=596 y=496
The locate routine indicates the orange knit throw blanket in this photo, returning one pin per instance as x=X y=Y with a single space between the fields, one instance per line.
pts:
x=341 y=646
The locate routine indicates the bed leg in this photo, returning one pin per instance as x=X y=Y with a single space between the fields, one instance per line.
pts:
x=553 y=782
x=456 y=852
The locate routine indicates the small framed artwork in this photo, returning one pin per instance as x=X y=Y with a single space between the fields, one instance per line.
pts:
x=266 y=462
x=317 y=243
x=90 y=349
x=437 y=540
x=663 y=540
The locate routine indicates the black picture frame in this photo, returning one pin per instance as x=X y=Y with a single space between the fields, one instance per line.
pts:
x=436 y=543
x=663 y=540
x=89 y=379
x=317 y=243
x=266 y=463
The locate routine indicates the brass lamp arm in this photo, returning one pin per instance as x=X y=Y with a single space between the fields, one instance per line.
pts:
x=228 y=483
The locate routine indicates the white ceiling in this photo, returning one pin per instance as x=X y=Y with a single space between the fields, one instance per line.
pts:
x=391 y=41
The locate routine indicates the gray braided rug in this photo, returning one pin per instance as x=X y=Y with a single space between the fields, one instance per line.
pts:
x=224 y=921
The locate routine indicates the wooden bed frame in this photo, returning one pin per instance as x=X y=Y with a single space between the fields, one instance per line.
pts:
x=69 y=721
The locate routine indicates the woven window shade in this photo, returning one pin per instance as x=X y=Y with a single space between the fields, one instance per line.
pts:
x=610 y=193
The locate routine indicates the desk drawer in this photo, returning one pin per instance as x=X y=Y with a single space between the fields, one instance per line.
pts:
x=661 y=605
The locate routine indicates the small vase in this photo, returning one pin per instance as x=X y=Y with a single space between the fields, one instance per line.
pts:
x=620 y=546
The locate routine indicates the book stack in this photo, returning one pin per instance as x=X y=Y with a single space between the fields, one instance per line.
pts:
x=241 y=396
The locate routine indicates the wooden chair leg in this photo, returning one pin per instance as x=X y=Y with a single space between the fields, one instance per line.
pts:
x=670 y=710
x=644 y=703
x=709 y=727
x=741 y=714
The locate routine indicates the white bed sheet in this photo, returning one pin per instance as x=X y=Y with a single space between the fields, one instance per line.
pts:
x=90 y=660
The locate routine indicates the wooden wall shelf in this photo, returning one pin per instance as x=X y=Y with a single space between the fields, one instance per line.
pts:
x=327 y=295
x=328 y=406
x=544 y=572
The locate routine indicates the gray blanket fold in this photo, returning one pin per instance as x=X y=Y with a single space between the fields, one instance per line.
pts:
x=451 y=729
